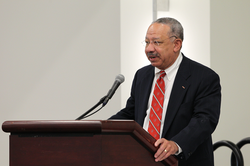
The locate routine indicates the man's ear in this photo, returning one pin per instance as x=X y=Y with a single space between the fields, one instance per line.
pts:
x=177 y=45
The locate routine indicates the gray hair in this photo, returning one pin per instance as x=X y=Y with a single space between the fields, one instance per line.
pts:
x=175 y=26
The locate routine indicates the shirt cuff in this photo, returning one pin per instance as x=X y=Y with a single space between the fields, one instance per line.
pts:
x=179 y=149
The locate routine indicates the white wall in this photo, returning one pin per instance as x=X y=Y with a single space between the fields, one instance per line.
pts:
x=57 y=59
x=136 y=16
x=230 y=58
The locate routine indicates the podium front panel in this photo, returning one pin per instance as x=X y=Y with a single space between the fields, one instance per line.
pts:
x=55 y=149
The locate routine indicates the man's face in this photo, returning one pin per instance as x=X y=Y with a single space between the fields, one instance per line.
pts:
x=160 y=50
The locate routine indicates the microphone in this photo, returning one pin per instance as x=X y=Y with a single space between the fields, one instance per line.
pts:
x=118 y=80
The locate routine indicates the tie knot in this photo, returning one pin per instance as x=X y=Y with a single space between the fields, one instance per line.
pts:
x=162 y=74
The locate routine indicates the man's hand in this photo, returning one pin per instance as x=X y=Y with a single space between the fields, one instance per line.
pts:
x=166 y=149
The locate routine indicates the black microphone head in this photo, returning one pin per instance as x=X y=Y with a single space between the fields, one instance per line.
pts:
x=120 y=78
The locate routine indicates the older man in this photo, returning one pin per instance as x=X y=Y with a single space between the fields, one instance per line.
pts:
x=175 y=99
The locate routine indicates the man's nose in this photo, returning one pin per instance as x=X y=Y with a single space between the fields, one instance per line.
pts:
x=150 y=47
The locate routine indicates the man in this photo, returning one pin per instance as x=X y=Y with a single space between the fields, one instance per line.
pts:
x=191 y=97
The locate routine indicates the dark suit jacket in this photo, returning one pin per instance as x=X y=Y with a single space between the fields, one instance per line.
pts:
x=193 y=110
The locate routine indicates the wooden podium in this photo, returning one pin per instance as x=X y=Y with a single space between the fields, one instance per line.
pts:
x=73 y=143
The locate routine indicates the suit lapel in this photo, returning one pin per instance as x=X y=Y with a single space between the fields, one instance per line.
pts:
x=180 y=87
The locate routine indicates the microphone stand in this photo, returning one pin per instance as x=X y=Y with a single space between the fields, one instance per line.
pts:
x=91 y=109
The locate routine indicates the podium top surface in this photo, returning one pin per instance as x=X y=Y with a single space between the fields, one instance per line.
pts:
x=93 y=126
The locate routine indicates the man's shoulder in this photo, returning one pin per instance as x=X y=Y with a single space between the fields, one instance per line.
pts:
x=145 y=73
x=196 y=67
x=146 y=69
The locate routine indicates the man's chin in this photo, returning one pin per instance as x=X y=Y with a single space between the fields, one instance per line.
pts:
x=157 y=65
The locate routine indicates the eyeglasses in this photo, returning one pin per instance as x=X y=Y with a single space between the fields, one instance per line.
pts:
x=155 y=43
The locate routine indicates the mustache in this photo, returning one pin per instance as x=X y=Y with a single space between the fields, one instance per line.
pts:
x=150 y=55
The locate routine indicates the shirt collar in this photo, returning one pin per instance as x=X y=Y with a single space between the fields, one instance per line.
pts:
x=170 y=71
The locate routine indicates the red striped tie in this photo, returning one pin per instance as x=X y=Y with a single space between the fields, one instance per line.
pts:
x=156 y=107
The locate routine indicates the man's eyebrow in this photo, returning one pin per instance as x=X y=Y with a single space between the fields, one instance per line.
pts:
x=156 y=38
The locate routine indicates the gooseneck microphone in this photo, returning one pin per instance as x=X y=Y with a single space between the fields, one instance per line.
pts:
x=118 y=80
x=104 y=100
